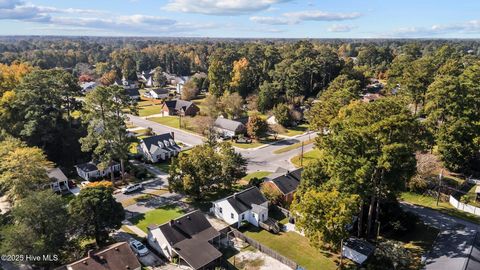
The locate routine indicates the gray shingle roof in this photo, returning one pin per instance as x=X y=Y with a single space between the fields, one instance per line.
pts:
x=288 y=182
x=243 y=200
x=228 y=124
x=178 y=104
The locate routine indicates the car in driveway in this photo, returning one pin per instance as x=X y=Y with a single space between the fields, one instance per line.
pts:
x=131 y=188
x=139 y=248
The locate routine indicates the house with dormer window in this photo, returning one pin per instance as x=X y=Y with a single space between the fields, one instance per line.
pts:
x=159 y=147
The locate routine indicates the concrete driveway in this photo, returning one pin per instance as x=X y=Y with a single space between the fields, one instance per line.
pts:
x=147 y=260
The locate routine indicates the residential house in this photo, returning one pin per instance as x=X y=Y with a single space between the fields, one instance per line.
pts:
x=179 y=107
x=248 y=205
x=286 y=183
x=88 y=86
x=133 y=93
x=118 y=256
x=159 y=93
x=189 y=238
x=127 y=84
x=228 y=128
x=59 y=182
x=159 y=147
x=90 y=171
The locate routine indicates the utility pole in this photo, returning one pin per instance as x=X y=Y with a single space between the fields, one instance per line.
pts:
x=440 y=176
x=301 y=157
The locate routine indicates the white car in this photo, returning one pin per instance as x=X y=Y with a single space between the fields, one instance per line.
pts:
x=131 y=188
x=139 y=248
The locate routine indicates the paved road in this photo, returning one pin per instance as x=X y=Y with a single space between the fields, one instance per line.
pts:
x=263 y=159
x=180 y=135
x=454 y=242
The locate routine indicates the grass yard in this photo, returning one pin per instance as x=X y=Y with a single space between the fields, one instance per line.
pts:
x=149 y=110
x=293 y=131
x=171 y=121
x=163 y=166
x=307 y=158
x=157 y=216
x=444 y=207
x=260 y=175
x=295 y=247
x=293 y=146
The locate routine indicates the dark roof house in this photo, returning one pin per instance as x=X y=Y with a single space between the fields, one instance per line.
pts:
x=287 y=183
x=180 y=107
x=243 y=200
x=132 y=93
x=189 y=236
x=118 y=256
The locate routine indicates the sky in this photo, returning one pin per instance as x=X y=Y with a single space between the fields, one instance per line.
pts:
x=243 y=18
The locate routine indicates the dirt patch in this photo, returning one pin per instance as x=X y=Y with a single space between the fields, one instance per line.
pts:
x=255 y=260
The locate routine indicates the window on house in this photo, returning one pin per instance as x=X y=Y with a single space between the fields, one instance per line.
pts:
x=232 y=215
x=243 y=216
x=221 y=210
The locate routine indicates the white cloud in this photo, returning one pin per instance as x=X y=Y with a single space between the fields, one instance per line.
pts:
x=340 y=28
x=221 y=7
x=469 y=27
x=93 y=20
x=308 y=15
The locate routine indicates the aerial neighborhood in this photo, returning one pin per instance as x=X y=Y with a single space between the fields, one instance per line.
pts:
x=123 y=146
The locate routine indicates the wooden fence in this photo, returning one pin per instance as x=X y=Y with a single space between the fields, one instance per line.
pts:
x=264 y=249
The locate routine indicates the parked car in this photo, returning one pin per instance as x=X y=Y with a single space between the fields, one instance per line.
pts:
x=243 y=140
x=71 y=184
x=139 y=248
x=131 y=188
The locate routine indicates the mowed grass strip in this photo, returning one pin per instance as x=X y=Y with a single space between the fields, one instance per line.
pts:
x=293 y=146
x=308 y=157
x=444 y=207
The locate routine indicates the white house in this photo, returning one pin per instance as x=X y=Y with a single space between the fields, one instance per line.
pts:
x=228 y=128
x=59 y=182
x=90 y=171
x=158 y=147
x=248 y=205
x=159 y=93
x=189 y=237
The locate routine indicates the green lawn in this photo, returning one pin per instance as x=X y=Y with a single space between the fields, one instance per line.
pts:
x=260 y=174
x=293 y=246
x=163 y=166
x=149 y=110
x=444 y=207
x=472 y=196
x=293 y=146
x=293 y=131
x=157 y=216
x=171 y=121
x=307 y=158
